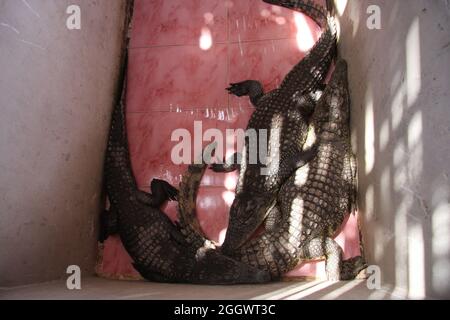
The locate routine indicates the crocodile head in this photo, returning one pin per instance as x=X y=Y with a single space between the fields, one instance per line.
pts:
x=332 y=113
x=246 y=215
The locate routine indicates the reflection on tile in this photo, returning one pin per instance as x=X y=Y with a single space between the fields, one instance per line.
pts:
x=151 y=145
x=256 y=20
x=162 y=22
x=213 y=205
x=266 y=61
x=177 y=77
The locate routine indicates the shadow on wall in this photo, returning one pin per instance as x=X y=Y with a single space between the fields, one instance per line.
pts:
x=399 y=78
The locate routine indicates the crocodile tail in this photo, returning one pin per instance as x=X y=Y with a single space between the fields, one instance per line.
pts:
x=312 y=70
x=275 y=251
x=119 y=178
x=118 y=132
x=211 y=266
x=187 y=197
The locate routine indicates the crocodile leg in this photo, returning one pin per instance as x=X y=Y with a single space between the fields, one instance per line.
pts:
x=352 y=267
x=231 y=164
x=328 y=248
x=296 y=161
x=273 y=220
x=162 y=191
x=251 y=88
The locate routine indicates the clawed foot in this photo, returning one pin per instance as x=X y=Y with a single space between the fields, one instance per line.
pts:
x=229 y=165
x=238 y=89
x=351 y=268
x=217 y=167
x=160 y=187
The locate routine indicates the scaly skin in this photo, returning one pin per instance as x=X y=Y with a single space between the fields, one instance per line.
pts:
x=314 y=201
x=284 y=114
x=157 y=247
x=311 y=204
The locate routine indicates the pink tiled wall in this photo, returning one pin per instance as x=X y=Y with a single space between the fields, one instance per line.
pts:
x=174 y=80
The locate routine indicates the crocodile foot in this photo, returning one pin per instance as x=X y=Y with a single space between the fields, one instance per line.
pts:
x=238 y=89
x=163 y=189
x=352 y=268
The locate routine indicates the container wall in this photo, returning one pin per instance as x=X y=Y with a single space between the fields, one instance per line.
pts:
x=400 y=79
x=57 y=88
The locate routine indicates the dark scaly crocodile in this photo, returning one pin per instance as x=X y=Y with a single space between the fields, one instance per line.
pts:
x=283 y=113
x=312 y=203
x=156 y=245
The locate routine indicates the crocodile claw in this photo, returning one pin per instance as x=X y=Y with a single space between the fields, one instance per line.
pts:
x=238 y=89
x=170 y=191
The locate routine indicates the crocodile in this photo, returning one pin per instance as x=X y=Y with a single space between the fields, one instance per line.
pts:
x=158 y=249
x=312 y=202
x=283 y=115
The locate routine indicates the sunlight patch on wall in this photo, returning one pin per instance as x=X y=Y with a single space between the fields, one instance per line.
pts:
x=319 y=287
x=416 y=262
x=288 y=291
x=397 y=107
x=222 y=234
x=205 y=40
x=441 y=246
x=415 y=146
x=370 y=202
x=228 y=197
x=384 y=135
x=340 y=6
x=415 y=130
x=413 y=67
x=401 y=244
x=305 y=39
x=369 y=134
x=346 y=287
x=386 y=189
x=230 y=182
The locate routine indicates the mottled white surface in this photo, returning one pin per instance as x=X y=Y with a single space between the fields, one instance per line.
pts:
x=97 y=288
x=56 y=96
x=399 y=81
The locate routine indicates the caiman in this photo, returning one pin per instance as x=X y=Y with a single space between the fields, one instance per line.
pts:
x=312 y=203
x=159 y=251
x=282 y=114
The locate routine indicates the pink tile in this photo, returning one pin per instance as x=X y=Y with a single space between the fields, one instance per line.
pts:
x=266 y=61
x=348 y=237
x=162 y=22
x=182 y=77
x=256 y=20
x=213 y=205
x=116 y=262
x=237 y=116
x=151 y=146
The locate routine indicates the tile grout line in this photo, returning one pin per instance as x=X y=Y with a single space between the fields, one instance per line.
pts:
x=218 y=42
x=228 y=53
